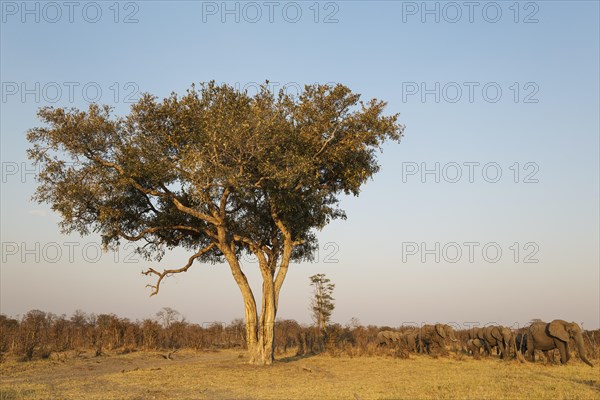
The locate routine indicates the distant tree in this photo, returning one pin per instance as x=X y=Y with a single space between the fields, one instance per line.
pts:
x=322 y=303
x=353 y=323
x=79 y=318
x=9 y=329
x=167 y=316
x=34 y=334
x=216 y=172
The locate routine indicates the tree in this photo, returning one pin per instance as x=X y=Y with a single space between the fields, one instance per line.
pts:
x=217 y=172
x=168 y=316
x=322 y=303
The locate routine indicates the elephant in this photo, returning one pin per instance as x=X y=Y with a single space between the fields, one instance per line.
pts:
x=555 y=335
x=410 y=340
x=388 y=338
x=521 y=347
x=407 y=340
x=476 y=333
x=495 y=336
x=435 y=334
x=475 y=346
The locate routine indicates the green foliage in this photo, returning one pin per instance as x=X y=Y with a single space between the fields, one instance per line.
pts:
x=322 y=303
x=172 y=172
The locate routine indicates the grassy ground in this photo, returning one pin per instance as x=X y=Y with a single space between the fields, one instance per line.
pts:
x=225 y=375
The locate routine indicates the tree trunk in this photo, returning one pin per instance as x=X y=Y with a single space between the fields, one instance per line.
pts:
x=247 y=295
x=260 y=334
x=263 y=352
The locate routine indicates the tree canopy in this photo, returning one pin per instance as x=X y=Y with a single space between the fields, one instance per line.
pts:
x=215 y=171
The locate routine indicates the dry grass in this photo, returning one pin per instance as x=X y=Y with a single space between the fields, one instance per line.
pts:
x=224 y=375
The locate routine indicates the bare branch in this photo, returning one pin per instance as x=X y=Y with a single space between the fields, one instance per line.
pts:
x=167 y=272
x=322 y=149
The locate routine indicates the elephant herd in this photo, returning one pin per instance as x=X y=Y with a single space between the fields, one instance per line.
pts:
x=419 y=340
x=538 y=336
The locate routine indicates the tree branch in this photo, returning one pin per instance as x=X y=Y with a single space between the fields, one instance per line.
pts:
x=166 y=272
x=223 y=202
x=167 y=193
x=194 y=213
x=322 y=149
x=122 y=172
x=288 y=247
x=155 y=229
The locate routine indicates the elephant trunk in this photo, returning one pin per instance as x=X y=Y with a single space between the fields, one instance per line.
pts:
x=452 y=336
x=581 y=350
x=509 y=345
x=513 y=344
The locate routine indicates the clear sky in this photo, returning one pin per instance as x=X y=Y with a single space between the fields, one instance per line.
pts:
x=488 y=211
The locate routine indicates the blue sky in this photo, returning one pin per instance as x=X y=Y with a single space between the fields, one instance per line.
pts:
x=532 y=115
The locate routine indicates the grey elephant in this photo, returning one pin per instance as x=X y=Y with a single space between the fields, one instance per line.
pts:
x=521 y=347
x=495 y=336
x=388 y=338
x=410 y=340
x=475 y=333
x=435 y=335
x=475 y=345
x=555 y=335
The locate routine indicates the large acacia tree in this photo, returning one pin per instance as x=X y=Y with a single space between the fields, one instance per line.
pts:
x=216 y=172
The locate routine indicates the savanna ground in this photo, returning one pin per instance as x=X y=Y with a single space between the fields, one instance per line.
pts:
x=224 y=374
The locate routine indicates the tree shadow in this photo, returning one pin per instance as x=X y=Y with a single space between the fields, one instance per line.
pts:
x=290 y=359
x=594 y=384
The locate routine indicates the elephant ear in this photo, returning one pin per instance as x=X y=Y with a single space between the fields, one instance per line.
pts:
x=496 y=333
x=557 y=329
x=439 y=328
x=480 y=333
x=573 y=329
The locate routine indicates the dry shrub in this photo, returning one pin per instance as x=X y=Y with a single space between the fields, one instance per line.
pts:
x=401 y=353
